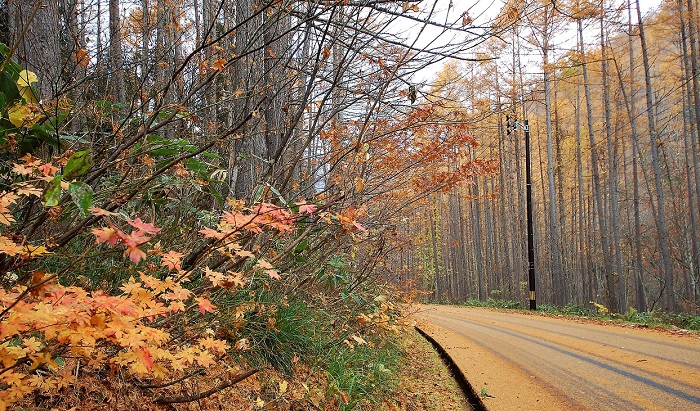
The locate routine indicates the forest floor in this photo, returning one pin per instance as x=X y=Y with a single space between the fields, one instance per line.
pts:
x=418 y=381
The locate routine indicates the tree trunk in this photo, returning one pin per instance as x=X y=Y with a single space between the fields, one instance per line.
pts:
x=39 y=49
x=115 y=52
x=611 y=297
x=553 y=237
x=617 y=278
x=665 y=263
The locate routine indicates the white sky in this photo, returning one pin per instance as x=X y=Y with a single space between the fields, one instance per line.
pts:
x=482 y=12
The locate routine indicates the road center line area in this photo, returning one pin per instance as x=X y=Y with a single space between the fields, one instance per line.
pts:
x=519 y=361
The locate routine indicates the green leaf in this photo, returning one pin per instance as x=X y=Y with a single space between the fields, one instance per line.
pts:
x=53 y=192
x=12 y=65
x=279 y=195
x=163 y=115
x=196 y=166
x=74 y=138
x=160 y=152
x=258 y=192
x=81 y=193
x=211 y=155
x=301 y=246
x=78 y=164
x=45 y=134
x=219 y=198
x=8 y=86
x=103 y=103
x=153 y=138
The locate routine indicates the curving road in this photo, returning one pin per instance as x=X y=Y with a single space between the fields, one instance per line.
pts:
x=528 y=362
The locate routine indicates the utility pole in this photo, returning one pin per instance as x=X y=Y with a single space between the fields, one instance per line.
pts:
x=510 y=127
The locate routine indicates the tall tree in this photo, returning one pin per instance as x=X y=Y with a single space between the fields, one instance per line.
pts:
x=32 y=33
x=611 y=297
x=665 y=263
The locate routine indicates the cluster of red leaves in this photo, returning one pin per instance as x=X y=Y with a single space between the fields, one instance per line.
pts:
x=111 y=235
x=255 y=220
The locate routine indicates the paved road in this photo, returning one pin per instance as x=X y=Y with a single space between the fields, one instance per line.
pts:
x=582 y=365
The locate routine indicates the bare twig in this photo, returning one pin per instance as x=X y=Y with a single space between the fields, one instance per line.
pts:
x=175 y=400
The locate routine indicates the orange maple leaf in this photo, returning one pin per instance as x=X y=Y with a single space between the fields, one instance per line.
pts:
x=135 y=254
x=244 y=254
x=205 y=305
x=22 y=169
x=211 y=233
x=273 y=274
x=48 y=169
x=106 y=235
x=219 y=65
x=100 y=212
x=214 y=345
x=265 y=265
x=81 y=57
x=172 y=260
x=307 y=208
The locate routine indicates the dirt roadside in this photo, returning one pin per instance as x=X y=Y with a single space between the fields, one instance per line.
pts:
x=425 y=382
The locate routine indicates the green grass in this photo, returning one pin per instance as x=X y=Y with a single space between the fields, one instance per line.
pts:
x=366 y=374
x=281 y=332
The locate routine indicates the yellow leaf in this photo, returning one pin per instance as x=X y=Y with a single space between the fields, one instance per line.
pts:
x=259 y=403
x=17 y=114
x=359 y=184
x=28 y=94
x=36 y=250
x=358 y=339
x=283 y=386
x=415 y=8
x=26 y=78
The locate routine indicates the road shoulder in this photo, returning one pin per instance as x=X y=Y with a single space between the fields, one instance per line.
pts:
x=502 y=385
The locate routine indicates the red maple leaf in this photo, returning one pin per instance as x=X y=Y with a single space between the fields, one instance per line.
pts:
x=145 y=227
x=307 y=208
x=135 y=254
x=145 y=358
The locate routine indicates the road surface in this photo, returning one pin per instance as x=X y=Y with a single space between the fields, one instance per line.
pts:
x=520 y=361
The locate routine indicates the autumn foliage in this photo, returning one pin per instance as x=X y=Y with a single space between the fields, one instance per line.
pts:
x=206 y=216
x=46 y=324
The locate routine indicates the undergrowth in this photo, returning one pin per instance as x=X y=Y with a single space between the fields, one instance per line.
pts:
x=349 y=361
